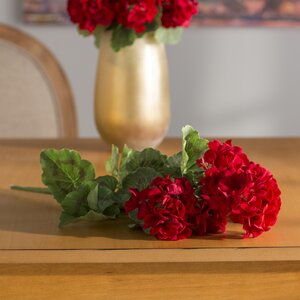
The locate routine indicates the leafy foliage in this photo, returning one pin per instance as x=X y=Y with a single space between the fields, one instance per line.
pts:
x=193 y=147
x=64 y=171
x=91 y=216
x=122 y=37
x=140 y=178
x=75 y=203
x=126 y=154
x=129 y=20
x=98 y=34
x=168 y=35
x=71 y=180
x=147 y=158
x=103 y=200
x=173 y=165
x=111 y=165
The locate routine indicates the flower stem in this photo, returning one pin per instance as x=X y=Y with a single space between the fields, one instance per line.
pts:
x=31 y=189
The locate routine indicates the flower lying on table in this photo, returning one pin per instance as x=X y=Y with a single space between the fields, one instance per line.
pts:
x=194 y=192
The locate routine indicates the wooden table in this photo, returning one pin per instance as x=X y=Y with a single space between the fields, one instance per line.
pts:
x=109 y=261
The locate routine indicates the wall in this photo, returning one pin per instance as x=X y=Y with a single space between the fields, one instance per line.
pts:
x=224 y=81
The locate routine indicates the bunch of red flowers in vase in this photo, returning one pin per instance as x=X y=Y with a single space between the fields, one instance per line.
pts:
x=132 y=19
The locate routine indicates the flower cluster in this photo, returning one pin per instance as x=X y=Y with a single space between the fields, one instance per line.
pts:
x=167 y=209
x=235 y=187
x=177 y=12
x=134 y=14
x=140 y=16
x=193 y=192
x=232 y=187
x=89 y=14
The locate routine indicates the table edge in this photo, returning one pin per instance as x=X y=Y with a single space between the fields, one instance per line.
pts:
x=149 y=255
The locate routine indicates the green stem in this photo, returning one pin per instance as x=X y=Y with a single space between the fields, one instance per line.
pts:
x=31 y=189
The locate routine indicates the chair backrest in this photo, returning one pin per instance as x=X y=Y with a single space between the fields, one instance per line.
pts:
x=35 y=96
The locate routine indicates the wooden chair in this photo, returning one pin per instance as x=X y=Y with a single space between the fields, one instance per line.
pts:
x=35 y=96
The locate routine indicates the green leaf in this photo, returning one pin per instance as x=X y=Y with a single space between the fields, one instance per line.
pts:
x=121 y=196
x=122 y=37
x=66 y=219
x=193 y=148
x=91 y=216
x=64 y=171
x=75 y=203
x=37 y=190
x=102 y=198
x=147 y=158
x=173 y=166
x=140 y=179
x=133 y=216
x=126 y=154
x=168 y=35
x=98 y=34
x=137 y=222
x=175 y=160
x=112 y=211
x=194 y=177
x=83 y=32
x=112 y=165
x=105 y=199
x=92 y=201
x=154 y=25
x=92 y=198
x=108 y=182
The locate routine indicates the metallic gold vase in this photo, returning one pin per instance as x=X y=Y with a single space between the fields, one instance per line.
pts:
x=132 y=101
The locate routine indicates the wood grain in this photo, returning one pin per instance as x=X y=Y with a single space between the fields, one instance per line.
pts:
x=53 y=71
x=109 y=261
x=227 y=281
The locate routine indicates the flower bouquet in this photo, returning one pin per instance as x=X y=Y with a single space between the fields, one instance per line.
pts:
x=132 y=19
x=193 y=192
x=134 y=81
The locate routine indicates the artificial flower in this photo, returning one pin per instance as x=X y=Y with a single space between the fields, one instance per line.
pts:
x=166 y=209
x=237 y=188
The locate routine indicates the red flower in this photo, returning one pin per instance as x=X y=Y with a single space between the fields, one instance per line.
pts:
x=136 y=13
x=220 y=162
x=178 y=12
x=90 y=13
x=233 y=186
x=223 y=156
x=257 y=202
x=167 y=209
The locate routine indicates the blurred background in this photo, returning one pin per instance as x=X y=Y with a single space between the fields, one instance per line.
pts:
x=225 y=81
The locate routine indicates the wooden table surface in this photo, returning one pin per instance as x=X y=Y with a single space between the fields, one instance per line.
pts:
x=109 y=261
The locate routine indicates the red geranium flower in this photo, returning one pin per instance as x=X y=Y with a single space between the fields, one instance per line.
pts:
x=256 y=203
x=167 y=209
x=220 y=163
x=233 y=186
x=136 y=13
x=90 y=13
x=178 y=12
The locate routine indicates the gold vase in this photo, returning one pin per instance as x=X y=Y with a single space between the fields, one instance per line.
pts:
x=132 y=101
